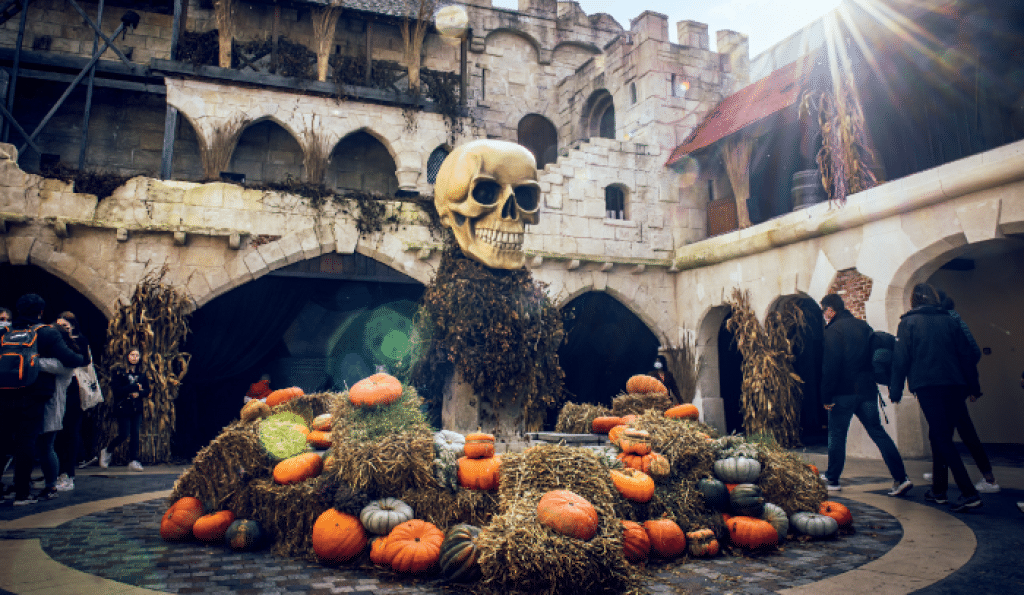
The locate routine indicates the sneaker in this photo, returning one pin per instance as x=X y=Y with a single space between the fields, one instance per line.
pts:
x=986 y=487
x=900 y=488
x=928 y=476
x=88 y=462
x=104 y=459
x=25 y=501
x=47 y=494
x=931 y=496
x=834 y=487
x=67 y=485
x=134 y=466
x=964 y=504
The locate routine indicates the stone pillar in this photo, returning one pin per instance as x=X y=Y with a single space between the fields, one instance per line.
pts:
x=463 y=412
x=735 y=51
x=649 y=25
x=693 y=34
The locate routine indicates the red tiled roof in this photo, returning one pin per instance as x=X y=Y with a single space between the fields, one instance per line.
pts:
x=754 y=102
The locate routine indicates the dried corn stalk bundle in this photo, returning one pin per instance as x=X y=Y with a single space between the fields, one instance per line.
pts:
x=384 y=451
x=444 y=508
x=154 y=321
x=770 y=389
x=682 y=364
x=518 y=555
x=577 y=418
x=626 y=404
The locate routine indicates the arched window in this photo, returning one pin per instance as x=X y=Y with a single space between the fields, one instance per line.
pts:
x=615 y=202
x=599 y=115
x=632 y=93
x=538 y=134
x=361 y=162
x=434 y=163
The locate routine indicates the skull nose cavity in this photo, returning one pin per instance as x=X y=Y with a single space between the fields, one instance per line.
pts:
x=509 y=209
x=502 y=240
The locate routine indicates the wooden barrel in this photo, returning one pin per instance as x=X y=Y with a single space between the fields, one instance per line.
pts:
x=807 y=189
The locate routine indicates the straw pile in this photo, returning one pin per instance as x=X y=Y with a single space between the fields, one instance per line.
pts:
x=384 y=451
x=578 y=418
x=789 y=482
x=285 y=512
x=445 y=508
x=626 y=404
x=521 y=556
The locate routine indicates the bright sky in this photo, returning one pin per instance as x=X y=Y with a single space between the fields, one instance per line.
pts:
x=766 y=22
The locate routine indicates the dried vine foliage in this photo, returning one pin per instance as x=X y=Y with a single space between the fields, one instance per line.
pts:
x=102 y=184
x=154 y=321
x=315 y=156
x=215 y=153
x=682 y=364
x=770 y=392
x=198 y=49
x=497 y=329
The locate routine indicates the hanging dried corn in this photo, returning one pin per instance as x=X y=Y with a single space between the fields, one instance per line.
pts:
x=770 y=390
x=154 y=321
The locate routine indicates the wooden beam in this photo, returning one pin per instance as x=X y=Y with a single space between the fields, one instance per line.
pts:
x=369 y=52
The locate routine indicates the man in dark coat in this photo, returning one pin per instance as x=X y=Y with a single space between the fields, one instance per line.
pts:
x=21 y=410
x=934 y=358
x=847 y=389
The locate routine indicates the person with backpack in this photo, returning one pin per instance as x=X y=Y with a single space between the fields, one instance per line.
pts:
x=130 y=387
x=932 y=356
x=848 y=389
x=24 y=389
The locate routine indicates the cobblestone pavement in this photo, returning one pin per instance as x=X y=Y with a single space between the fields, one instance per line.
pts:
x=123 y=544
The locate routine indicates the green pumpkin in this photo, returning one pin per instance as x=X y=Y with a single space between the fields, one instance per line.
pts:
x=459 y=553
x=737 y=469
x=716 y=495
x=244 y=535
x=814 y=524
x=776 y=517
x=746 y=500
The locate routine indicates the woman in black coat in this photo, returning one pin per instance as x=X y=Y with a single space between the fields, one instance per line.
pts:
x=130 y=388
x=933 y=357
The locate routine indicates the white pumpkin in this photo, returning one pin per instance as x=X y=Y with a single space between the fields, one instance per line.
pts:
x=450 y=441
x=381 y=516
x=737 y=469
x=777 y=518
x=814 y=524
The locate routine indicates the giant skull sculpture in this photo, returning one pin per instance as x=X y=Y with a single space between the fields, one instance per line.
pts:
x=487 y=192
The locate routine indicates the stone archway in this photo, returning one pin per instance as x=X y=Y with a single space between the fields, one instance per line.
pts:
x=267 y=152
x=362 y=162
x=598 y=118
x=605 y=344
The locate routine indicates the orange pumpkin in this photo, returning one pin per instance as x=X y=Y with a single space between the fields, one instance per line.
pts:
x=212 y=527
x=479 y=445
x=337 y=536
x=814 y=469
x=633 y=461
x=702 y=543
x=684 y=411
x=179 y=519
x=322 y=422
x=298 y=468
x=635 y=543
x=283 y=395
x=601 y=425
x=377 y=390
x=657 y=465
x=633 y=485
x=628 y=419
x=642 y=384
x=567 y=513
x=637 y=442
x=751 y=533
x=479 y=474
x=667 y=539
x=615 y=433
x=413 y=546
x=378 y=551
x=254 y=410
x=838 y=511
x=319 y=438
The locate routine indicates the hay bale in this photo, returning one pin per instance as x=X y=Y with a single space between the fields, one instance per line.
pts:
x=444 y=508
x=309 y=406
x=788 y=482
x=684 y=443
x=626 y=404
x=383 y=451
x=518 y=555
x=222 y=465
x=575 y=418
x=286 y=512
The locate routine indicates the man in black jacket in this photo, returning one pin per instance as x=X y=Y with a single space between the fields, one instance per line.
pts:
x=934 y=358
x=847 y=389
x=21 y=410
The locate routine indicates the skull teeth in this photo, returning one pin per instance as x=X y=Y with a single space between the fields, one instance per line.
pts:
x=502 y=240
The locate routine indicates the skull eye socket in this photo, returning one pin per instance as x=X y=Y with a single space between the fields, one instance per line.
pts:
x=486 y=192
x=527 y=197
